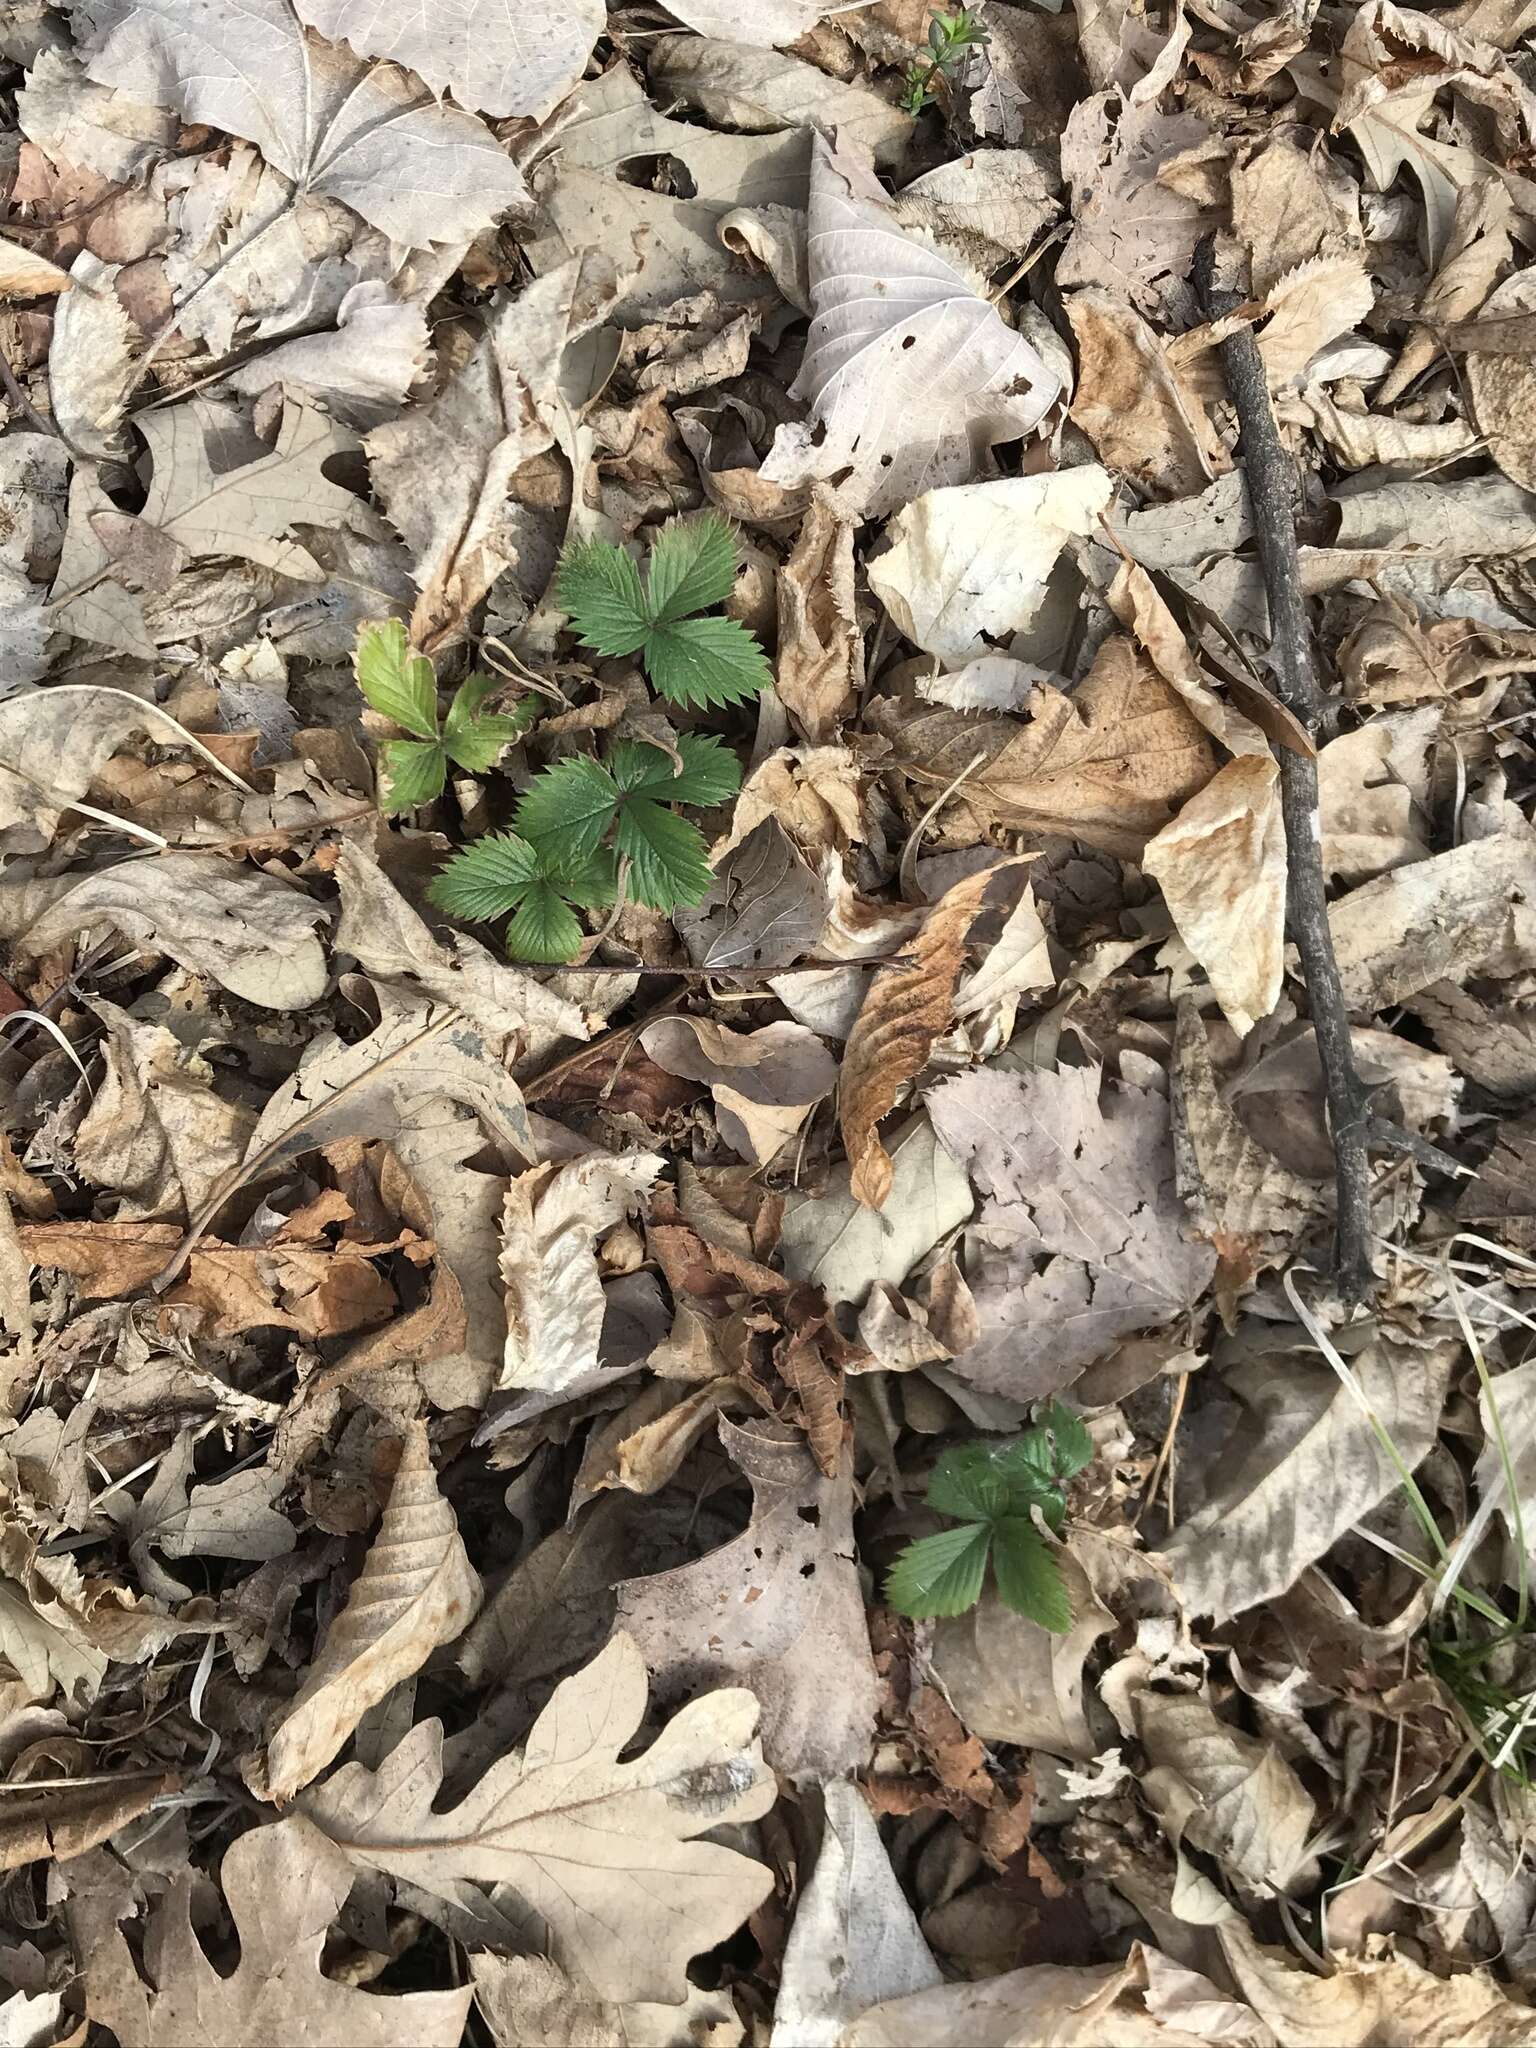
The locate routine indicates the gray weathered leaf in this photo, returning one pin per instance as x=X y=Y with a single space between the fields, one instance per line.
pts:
x=910 y=375
x=91 y=358
x=496 y=57
x=333 y=124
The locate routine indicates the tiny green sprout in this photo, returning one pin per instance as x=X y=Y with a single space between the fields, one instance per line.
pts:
x=950 y=36
x=692 y=661
x=988 y=1491
x=402 y=686
x=576 y=822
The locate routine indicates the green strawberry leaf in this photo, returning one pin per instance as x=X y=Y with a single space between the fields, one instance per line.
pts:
x=590 y=882
x=968 y=1482
x=1072 y=1445
x=414 y=773
x=1029 y=1578
x=599 y=586
x=668 y=856
x=567 y=810
x=475 y=740
x=692 y=567
x=545 y=927
x=487 y=879
x=710 y=772
x=394 y=681
x=939 y=1574
x=703 y=662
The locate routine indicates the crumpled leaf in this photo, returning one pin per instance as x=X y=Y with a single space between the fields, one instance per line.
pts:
x=1108 y=765
x=64 y=1821
x=1132 y=401
x=1010 y=1680
x=969 y=565
x=526 y=1998
x=820 y=668
x=552 y=1220
x=765 y=1083
x=91 y=358
x=284 y=1884
x=620 y=1902
x=757 y=91
x=1309 y=1468
x=1468 y=912
x=1503 y=389
x=417 y=1590
x=368 y=136
x=442 y=471
x=779 y=1610
x=76 y=121
x=479 y=50
x=906 y=403
x=854 y=1940
x=1081 y=1239
x=906 y=1009
x=1133 y=233
x=249 y=932
x=26 y=275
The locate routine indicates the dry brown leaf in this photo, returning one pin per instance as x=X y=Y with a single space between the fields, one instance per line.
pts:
x=1131 y=233
x=92 y=359
x=1504 y=389
x=1373 y=793
x=417 y=1590
x=63 y=1820
x=26 y=275
x=1290 y=203
x=765 y=1083
x=778 y=1610
x=527 y=1998
x=1010 y=1680
x=1221 y=867
x=551 y=1222
x=625 y=1898
x=284 y=1885
x=906 y=1009
x=1307 y=308
x=1143 y=419
x=820 y=668
x=1108 y=765
x=1468 y=912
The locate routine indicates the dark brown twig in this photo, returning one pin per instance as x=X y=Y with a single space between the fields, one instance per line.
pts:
x=1272 y=489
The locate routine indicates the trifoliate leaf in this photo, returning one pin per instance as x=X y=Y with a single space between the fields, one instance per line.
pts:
x=1029 y=1579
x=692 y=567
x=590 y=882
x=394 y=681
x=599 y=586
x=567 y=810
x=475 y=740
x=545 y=927
x=939 y=1574
x=1073 y=1446
x=487 y=879
x=669 y=860
x=710 y=773
x=414 y=773
x=969 y=1483
x=700 y=662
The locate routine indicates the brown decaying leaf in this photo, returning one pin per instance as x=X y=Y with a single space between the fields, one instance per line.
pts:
x=820 y=668
x=906 y=1009
x=64 y=1820
x=417 y=1590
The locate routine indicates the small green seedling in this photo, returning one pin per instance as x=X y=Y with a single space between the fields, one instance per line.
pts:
x=950 y=36
x=403 y=687
x=562 y=846
x=692 y=661
x=988 y=1490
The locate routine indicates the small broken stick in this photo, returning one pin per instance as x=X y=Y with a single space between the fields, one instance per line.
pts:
x=1272 y=493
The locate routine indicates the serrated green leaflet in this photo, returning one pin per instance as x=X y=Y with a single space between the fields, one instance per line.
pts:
x=692 y=567
x=394 y=681
x=710 y=772
x=545 y=927
x=669 y=860
x=568 y=809
x=968 y=1483
x=414 y=773
x=600 y=587
x=702 y=662
x=940 y=1574
x=474 y=740
x=1028 y=1577
x=486 y=879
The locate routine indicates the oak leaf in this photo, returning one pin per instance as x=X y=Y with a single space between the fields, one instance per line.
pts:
x=597 y=1853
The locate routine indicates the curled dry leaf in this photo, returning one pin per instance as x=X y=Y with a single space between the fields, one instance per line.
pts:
x=779 y=1610
x=910 y=374
x=820 y=667
x=284 y=1886
x=626 y=1898
x=417 y=1590
x=551 y=1222
x=1010 y=1680
x=1133 y=404
x=64 y=1820
x=26 y=275
x=906 y=1009
x=764 y=1083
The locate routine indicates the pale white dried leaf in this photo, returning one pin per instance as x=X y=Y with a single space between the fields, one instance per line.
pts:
x=1309 y=307
x=1311 y=1468
x=363 y=368
x=284 y=1885
x=498 y=59
x=249 y=932
x=1503 y=388
x=335 y=125
x=1221 y=867
x=779 y=1610
x=1131 y=233
x=835 y=1242
x=1010 y=1680
x=1081 y=1238
x=628 y=1896
x=772 y=22
x=910 y=375
x=443 y=470
x=1468 y=912
x=854 y=1939
x=551 y=1222
x=76 y=121
x=29 y=2020
x=528 y=1998
x=741 y=83
x=417 y=1591
x=92 y=358
x=26 y=275
x=969 y=565
x=765 y=1083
